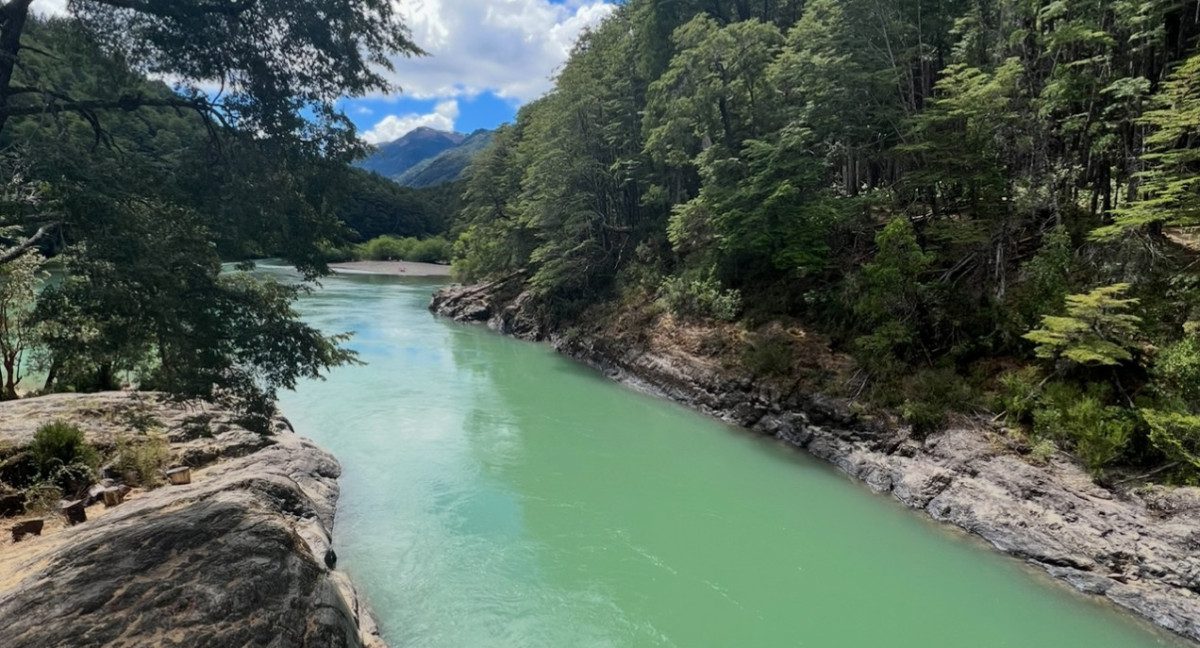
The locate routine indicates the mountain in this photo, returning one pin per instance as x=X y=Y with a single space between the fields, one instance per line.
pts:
x=426 y=157
x=394 y=158
x=448 y=165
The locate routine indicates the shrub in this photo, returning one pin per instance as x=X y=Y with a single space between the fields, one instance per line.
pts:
x=1176 y=371
x=700 y=298
x=1099 y=434
x=385 y=248
x=1018 y=392
x=769 y=354
x=1042 y=451
x=393 y=248
x=144 y=457
x=1175 y=435
x=42 y=498
x=61 y=444
x=930 y=395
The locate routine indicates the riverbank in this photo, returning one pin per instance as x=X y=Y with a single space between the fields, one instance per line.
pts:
x=392 y=268
x=1136 y=547
x=240 y=555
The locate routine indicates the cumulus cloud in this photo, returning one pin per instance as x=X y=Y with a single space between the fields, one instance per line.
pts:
x=509 y=47
x=394 y=127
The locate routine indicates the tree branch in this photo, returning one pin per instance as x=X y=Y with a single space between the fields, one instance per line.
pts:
x=21 y=248
x=231 y=8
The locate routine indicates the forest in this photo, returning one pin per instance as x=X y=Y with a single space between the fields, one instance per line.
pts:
x=989 y=204
x=146 y=146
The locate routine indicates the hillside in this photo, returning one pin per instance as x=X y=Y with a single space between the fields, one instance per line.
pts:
x=448 y=165
x=391 y=160
x=981 y=206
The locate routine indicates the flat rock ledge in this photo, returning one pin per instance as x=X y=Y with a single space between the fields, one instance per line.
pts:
x=239 y=557
x=1140 y=549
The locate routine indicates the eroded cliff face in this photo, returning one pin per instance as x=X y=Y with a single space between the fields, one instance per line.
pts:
x=239 y=556
x=1137 y=547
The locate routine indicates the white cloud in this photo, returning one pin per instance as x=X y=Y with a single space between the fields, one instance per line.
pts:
x=510 y=47
x=394 y=127
x=49 y=7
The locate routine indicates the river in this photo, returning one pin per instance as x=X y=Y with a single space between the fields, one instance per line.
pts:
x=497 y=495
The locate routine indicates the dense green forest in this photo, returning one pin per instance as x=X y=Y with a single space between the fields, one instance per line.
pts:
x=989 y=203
x=136 y=191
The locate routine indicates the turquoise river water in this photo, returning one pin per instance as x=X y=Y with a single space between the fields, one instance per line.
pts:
x=497 y=495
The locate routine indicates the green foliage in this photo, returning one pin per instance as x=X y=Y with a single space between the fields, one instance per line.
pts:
x=1095 y=331
x=392 y=248
x=769 y=354
x=63 y=454
x=19 y=281
x=1042 y=451
x=700 y=297
x=1099 y=434
x=1018 y=392
x=141 y=190
x=930 y=395
x=1045 y=278
x=374 y=206
x=1176 y=435
x=1176 y=372
x=1170 y=187
x=912 y=179
x=144 y=457
x=890 y=296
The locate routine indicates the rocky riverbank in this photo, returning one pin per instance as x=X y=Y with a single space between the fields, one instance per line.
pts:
x=239 y=556
x=1138 y=547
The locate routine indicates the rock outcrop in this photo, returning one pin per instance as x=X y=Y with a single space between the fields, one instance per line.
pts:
x=238 y=557
x=1138 y=548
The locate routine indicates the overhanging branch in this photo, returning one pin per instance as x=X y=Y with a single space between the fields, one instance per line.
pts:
x=21 y=248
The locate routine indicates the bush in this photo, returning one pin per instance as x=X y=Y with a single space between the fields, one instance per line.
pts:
x=700 y=298
x=42 y=498
x=1176 y=371
x=392 y=248
x=1018 y=392
x=769 y=354
x=930 y=395
x=1099 y=434
x=60 y=444
x=145 y=457
x=1175 y=435
x=1042 y=451
x=385 y=248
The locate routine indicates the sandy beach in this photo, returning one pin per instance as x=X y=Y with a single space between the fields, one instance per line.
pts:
x=395 y=268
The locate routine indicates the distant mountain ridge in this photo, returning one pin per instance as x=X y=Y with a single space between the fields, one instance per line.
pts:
x=448 y=165
x=426 y=157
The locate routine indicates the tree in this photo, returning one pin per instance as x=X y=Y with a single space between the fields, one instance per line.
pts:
x=890 y=297
x=1096 y=330
x=144 y=189
x=19 y=281
x=1170 y=189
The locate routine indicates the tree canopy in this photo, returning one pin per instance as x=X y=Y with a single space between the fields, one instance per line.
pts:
x=936 y=185
x=143 y=144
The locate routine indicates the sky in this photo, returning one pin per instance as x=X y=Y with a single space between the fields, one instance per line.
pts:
x=486 y=59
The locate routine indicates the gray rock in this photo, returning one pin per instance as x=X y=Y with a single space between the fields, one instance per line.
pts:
x=238 y=557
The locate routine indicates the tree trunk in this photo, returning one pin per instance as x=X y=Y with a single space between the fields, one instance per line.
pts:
x=12 y=25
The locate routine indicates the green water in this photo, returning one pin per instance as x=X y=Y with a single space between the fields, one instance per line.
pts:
x=496 y=494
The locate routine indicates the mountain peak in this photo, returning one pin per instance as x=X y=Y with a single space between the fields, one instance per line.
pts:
x=422 y=144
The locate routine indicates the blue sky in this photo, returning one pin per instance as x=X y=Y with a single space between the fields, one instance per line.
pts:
x=487 y=58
